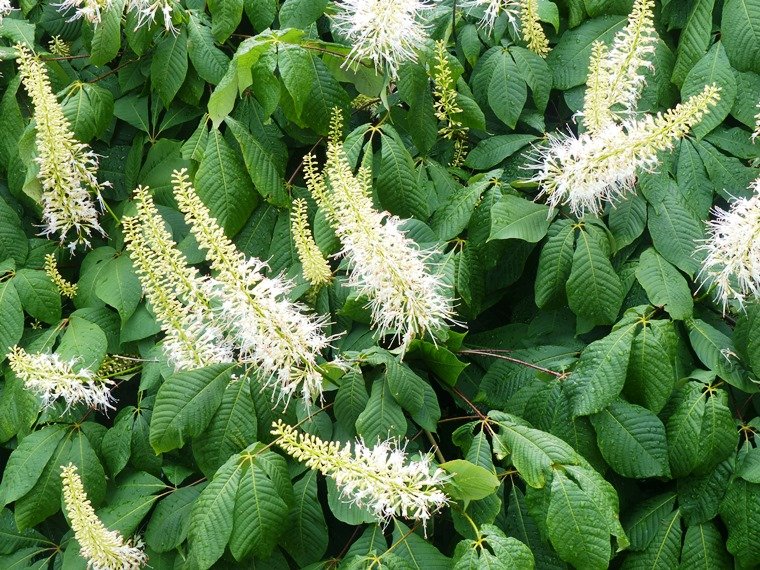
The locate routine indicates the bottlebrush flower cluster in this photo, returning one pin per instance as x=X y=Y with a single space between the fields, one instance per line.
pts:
x=144 y=10
x=67 y=167
x=51 y=377
x=732 y=261
x=586 y=171
x=388 y=33
x=380 y=478
x=384 y=265
x=315 y=268
x=102 y=548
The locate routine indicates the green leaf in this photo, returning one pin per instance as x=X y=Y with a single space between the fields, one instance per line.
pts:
x=513 y=217
x=741 y=17
x=13 y=242
x=211 y=519
x=740 y=511
x=453 y=216
x=185 y=404
x=695 y=37
x=573 y=525
x=664 y=548
x=600 y=374
x=554 y=264
x=536 y=73
x=224 y=185
x=307 y=539
x=264 y=167
x=594 y=290
x=209 y=61
x=350 y=400
x=651 y=375
x=469 y=482
x=664 y=285
x=642 y=524
x=627 y=220
x=27 y=461
x=12 y=539
x=169 y=65
x=569 y=59
x=11 y=318
x=118 y=286
x=301 y=13
x=704 y=547
x=507 y=91
x=170 y=522
x=225 y=17
x=439 y=359
x=231 y=430
x=84 y=342
x=491 y=151
x=632 y=440
x=383 y=417
x=38 y=295
x=417 y=552
x=712 y=68
x=397 y=187
x=714 y=349
x=106 y=39
x=89 y=109
x=675 y=231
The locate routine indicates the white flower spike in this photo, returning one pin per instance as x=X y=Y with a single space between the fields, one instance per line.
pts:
x=147 y=10
x=276 y=336
x=381 y=478
x=90 y=10
x=732 y=262
x=388 y=32
x=383 y=264
x=493 y=8
x=51 y=377
x=5 y=9
x=68 y=167
x=102 y=548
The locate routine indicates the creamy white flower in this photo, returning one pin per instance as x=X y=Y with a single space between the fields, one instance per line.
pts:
x=278 y=337
x=585 y=171
x=51 y=377
x=615 y=79
x=732 y=261
x=102 y=548
x=67 y=168
x=383 y=264
x=381 y=478
x=388 y=32
x=90 y=10
x=5 y=9
x=146 y=11
x=493 y=8
x=174 y=290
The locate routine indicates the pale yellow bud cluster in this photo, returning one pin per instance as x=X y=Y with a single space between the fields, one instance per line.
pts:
x=67 y=167
x=102 y=548
x=614 y=79
x=381 y=479
x=315 y=268
x=59 y=47
x=530 y=25
x=192 y=341
x=446 y=106
x=66 y=288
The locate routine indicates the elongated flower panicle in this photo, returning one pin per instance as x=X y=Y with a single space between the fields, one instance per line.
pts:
x=388 y=32
x=615 y=80
x=174 y=291
x=51 y=377
x=90 y=10
x=66 y=288
x=530 y=25
x=271 y=332
x=493 y=9
x=381 y=478
x=384 y=264
x=732 y=261
x=67 y=168
x=315 y=268
x=586 y=171
x=102 y=548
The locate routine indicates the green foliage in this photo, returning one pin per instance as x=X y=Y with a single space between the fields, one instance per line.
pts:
x=593 y=405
